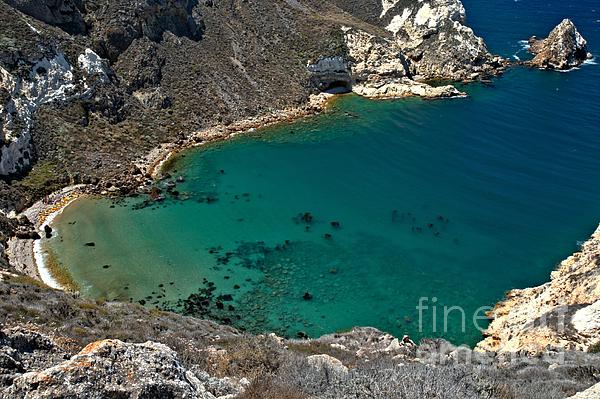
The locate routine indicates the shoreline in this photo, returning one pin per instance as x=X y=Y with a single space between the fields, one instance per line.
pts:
x=27 y=256
x=30 y=253
x=152 y=163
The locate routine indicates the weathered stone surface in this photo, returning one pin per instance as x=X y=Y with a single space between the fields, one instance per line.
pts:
x=330 y=73
x=65 y=14
x=564 y=48
x=590 y=393
x=561 y=314
x=381 y=70
x=405 y=88
x=111 y=368
x=436 y=41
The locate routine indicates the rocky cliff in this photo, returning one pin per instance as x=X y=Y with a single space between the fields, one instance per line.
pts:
x=563 y=314
x=81 y=81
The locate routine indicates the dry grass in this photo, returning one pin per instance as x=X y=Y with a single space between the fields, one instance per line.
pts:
x=267 y=389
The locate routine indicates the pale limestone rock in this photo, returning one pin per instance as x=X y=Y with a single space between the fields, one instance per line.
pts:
x=327 y=362
x=386 y=5
x=561 y=314
x=436 y=42
x=49 y=80
x=590 y=393
x=112 y=368
x=405 y=88
x=372 y=57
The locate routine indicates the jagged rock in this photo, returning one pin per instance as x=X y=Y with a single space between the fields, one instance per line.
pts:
x=112 y=368
x=372 y=57
x=152 y=98
x=62 y=13
x=562 y=313
x=405 y=88
x=119 y=23
x=564 y=48
x=48 y=80
x=366 y=343
x=436 y=41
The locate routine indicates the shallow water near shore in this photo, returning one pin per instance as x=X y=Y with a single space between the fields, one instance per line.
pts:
x=455 y=201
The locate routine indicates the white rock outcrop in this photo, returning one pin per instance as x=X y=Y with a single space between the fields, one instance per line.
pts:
x=380 y=70
x=49 y=80
x=436 y=42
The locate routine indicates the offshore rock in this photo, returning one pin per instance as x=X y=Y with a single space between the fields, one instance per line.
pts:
x=563 y=49
x=561 y=314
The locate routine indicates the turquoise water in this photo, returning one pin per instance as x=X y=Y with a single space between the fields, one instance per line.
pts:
x=455 y=201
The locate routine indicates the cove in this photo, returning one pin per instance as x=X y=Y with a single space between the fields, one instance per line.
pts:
x=456 y=200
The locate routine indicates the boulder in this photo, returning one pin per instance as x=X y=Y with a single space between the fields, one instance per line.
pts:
x=330 y=363
x=111 y=368
x=563 y=49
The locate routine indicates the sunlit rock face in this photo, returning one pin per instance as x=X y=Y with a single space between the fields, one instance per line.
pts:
x=436 y=41
x=564 y=48
x=49 y=80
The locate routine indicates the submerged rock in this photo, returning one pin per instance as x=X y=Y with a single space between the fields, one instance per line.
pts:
x=564 y=48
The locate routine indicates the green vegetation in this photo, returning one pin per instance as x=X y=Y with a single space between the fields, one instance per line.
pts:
x=44 y=178
x=594 y=348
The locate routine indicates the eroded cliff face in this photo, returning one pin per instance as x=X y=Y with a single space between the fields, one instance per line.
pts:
x=130 y=75
x=436 y=41
x=49 y=80
x=562 y=314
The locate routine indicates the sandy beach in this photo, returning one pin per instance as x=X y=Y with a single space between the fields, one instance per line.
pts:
x=27 y=256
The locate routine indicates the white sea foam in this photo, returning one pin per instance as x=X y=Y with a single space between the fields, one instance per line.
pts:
x=38 y=252
x=524 y=44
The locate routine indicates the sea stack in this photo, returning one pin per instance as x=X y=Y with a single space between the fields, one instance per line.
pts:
x=563 y=49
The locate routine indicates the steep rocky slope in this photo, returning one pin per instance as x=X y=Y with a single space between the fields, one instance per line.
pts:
x=561 y=314
x=83 y=81
x=87 y=88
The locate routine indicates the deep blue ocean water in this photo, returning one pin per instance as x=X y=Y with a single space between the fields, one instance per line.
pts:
x=452 y=201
